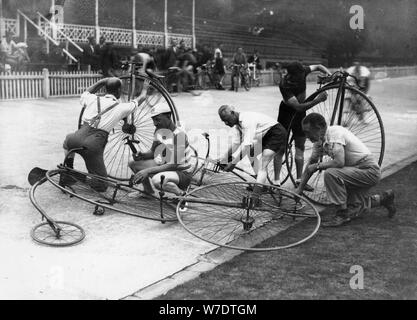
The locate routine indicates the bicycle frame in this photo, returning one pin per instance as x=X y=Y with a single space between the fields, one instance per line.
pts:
x=340 y=97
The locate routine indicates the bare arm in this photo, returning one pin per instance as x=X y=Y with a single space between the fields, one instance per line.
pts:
x=301 y=107
x=321 y=68
x=95 y=87
x=338 y=161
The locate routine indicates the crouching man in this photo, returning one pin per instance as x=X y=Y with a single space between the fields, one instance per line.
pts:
x=169 y=156
x=348 y=176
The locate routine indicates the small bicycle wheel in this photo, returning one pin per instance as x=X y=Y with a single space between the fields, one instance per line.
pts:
x=58 y=233
x=137 y=129
x=229 y=215
x=110 y=194
x=365 y=123
x=53 y=233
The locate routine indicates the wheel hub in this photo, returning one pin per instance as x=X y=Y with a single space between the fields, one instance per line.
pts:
x=247 y=223
x=129 y=128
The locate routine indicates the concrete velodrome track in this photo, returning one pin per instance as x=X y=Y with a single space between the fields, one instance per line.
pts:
x=121 y=254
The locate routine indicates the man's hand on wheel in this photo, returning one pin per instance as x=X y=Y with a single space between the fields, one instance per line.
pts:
x=140 y=176
x=138 y=156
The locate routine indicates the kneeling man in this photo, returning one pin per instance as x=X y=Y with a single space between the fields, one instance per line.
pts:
x=348 y=176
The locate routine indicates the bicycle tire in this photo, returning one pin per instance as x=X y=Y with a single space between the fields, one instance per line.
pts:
x=118 y=197
x=287 y=165
x=232 y=221
x=51 y=232
x=370 y=131
x=140 y=127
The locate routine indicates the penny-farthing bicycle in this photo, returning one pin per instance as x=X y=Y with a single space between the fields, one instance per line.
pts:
x=345 y=106
x=227 y=214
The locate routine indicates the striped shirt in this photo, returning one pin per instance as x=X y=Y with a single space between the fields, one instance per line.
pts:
x=172 y=147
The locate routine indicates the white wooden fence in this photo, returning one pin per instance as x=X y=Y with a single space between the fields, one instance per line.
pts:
x=45 y=84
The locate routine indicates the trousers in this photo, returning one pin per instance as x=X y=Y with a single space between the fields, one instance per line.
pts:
x=349 y=186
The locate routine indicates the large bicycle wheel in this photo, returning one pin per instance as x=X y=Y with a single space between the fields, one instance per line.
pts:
x=137 y=129
x=117 y=197
x=228 y=215
x=363 y=121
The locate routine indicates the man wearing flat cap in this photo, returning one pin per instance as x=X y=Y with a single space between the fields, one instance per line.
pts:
x=169 y=156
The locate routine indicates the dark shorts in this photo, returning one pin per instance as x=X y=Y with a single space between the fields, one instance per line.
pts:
x=275 y=139
x=94 y=140
x=285 y=116
x=185 y=178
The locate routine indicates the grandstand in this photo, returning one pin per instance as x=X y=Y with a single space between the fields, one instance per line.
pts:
x=28 y=22
x=272 y=45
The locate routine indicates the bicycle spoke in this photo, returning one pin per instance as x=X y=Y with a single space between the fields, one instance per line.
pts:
x=243 y=227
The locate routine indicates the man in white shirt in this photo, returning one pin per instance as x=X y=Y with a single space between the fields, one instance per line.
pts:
x=349 y=174
x=101 y=115
x=219 y=51
x=255 y=133
x=362 y=73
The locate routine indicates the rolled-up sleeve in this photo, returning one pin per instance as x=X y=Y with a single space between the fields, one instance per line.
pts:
x=86 y=98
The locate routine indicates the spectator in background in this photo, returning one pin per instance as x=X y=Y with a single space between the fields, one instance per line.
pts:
x=254 y=58
x=92 y=54
x=13 y=54
x=172 y=54
x=108 y=59
x=181 y=49
x=255 y=63
x=219 y=50
x=239 y=58
x=219 y=71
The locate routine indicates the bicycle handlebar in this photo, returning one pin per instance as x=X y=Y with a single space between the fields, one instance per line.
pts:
x=336 y=76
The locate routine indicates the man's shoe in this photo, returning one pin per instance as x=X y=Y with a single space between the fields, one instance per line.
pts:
x=66 y=180
x=232 y=89
x=387 y=201
x=341 y=217
x=336 y=221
